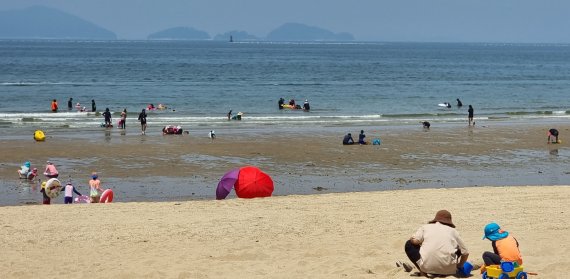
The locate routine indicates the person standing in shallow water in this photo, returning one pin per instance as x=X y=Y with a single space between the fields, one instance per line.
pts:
x=93 y=106
x=123 y=119
x=54 y=106
x=70 y=104
x=470 y=111
x=142 y=119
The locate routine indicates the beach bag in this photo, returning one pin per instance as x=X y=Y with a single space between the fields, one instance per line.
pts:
x=376 y=141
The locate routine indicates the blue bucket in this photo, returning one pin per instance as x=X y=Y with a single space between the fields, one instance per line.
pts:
x=467 y=268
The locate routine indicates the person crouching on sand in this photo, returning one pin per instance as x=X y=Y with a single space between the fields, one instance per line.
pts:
x=436 y=248
x=505 y=246
x=348 y=140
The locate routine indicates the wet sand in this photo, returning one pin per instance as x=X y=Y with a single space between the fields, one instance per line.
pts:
x=343 y=235
x=157 y=167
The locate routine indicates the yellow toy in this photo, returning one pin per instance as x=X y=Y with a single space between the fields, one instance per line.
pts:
x=505 y=271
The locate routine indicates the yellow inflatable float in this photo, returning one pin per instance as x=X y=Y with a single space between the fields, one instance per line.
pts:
x=39 y=135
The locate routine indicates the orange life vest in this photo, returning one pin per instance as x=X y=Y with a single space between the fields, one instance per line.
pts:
x=509 y=250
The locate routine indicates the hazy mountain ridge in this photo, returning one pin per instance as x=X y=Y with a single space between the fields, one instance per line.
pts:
x=40 y=22
x=179 y=33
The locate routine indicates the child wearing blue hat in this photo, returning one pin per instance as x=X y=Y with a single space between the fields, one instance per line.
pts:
x=505 y=246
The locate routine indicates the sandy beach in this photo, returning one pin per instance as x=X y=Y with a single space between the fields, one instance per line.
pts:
x=364 y=202
x=348 y=235
x=166 y=168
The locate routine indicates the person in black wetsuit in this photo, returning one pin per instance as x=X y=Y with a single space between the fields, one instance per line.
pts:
x=142 y=119
x=230 y=115
x=348 y=140
x=459 y=103
x=470 y=117
x=280 y=103
x=93 y=106
x=306 y=105
x=70 y=104
x=107 y=115
x=361 y=137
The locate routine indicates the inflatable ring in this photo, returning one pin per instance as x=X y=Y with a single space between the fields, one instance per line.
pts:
x=53 y=188
x=107 y=196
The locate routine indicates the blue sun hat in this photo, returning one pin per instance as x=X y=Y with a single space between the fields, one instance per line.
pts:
x=493 y=232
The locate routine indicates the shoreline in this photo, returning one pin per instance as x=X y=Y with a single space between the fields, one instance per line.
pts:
x=156 y=167
x=353 y=235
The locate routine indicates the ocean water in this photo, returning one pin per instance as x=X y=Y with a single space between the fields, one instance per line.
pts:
x=346 y=83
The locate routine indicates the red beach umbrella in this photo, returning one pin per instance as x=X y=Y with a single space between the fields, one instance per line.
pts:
x=253 y=183
x=249 y=182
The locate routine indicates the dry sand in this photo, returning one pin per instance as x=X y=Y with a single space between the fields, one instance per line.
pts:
x=349 y=235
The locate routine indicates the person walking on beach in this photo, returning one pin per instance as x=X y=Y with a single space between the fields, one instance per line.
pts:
x=51 y=171
x=505 y=246
x=94 y=188
x=93 y=106
x=230 y=115
x=54 y=106
x=123 y=123
x=436 y=248
x=142 y=119
x=470 y=111
x=107 y=115
x=70 y=104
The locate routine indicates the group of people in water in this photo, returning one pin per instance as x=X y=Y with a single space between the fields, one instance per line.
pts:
x=27 y=172
x=436 y=248
x=292 y=105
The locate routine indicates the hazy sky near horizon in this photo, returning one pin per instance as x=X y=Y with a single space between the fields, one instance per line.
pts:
x=368 y=20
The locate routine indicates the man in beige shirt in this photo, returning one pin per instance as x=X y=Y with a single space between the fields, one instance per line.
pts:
x=437 y=248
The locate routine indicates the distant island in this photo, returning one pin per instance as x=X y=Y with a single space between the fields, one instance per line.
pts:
x=237 y=36
x=302 y=32
x=286 y=32
x=179 y=33
x=40 y=22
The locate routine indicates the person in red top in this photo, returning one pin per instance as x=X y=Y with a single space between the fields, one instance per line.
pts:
x=54 y=106
x=505 y=246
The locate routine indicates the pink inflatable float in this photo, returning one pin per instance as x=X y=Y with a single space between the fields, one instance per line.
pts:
x=107 y=196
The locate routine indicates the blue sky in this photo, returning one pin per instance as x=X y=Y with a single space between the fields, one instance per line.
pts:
x=531 y=21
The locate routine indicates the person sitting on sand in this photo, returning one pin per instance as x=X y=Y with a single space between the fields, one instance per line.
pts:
x=436 y=248
x=361 y=137
x=51 y=171
x=348 y=140
x=552 y=136
x=95 y=188
x=505 y=246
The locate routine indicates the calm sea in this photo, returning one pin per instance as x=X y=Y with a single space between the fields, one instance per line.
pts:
x=345 y=83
